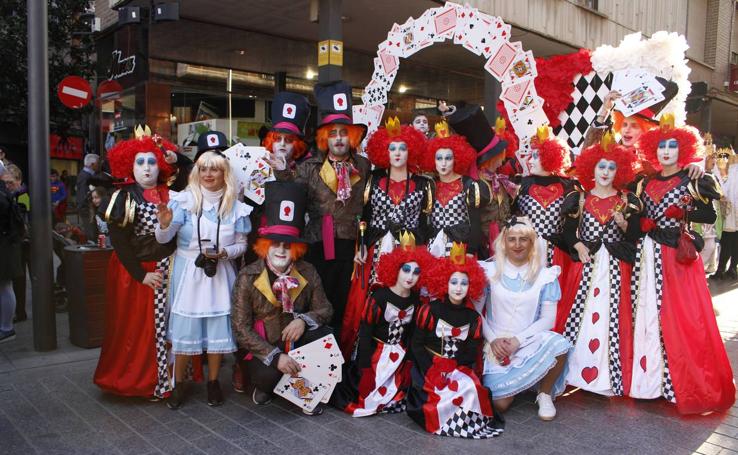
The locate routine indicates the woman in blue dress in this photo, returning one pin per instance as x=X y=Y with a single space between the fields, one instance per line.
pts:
x=520 y=311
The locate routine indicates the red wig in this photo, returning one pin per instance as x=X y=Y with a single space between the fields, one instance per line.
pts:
x=464 y=154
x=376 y=148
x=299 y=146
x=389 y=265
x=554 y=155
x=618 y=118
x=511 y=138
x=261 y=247
x=437 y=283
x=691 y=148
x=624 y=158
x=123 y=154
x=355 y=135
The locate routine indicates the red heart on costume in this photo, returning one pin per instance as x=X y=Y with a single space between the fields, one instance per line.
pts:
x=394 y=356
x=382 y=390
x=402 y=314
x=453 y=385
x=589 y=374
x=545 y=195
x=455 y=331
x=595 y=318
x=596 y=292
x=457 y=401
x=594 y=345
x=643 y=363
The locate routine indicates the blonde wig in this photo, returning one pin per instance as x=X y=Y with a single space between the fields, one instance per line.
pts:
x=230 y=194
x=521 y=226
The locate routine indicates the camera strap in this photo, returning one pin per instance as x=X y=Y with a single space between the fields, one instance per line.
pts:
x=217 y=230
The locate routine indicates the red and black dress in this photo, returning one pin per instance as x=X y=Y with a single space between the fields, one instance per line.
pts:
x=678 y=353
x=377 y=380
x=540 y=199
x=456 y=214
x=594 y=312
x=446 y=397
x=390 y=208
x=133 y=359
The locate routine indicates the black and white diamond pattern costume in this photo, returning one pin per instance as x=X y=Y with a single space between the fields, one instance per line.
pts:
x=459 y=219
x=588 y=97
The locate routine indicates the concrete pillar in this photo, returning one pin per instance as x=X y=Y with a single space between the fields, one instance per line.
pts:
x=330 y=28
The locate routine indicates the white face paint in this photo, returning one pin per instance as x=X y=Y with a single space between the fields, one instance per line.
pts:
x=408 y=275
x=604 y=172
x=444 y=162
x=534 y=164
x=284 y=146
x=397 y=154
x=338 y=141
x=146 y=169
x=279 y=255
x=668 y=152
x=458 y=287
x=420 y=123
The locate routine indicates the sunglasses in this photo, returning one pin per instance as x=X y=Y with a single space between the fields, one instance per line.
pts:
x=407 y=269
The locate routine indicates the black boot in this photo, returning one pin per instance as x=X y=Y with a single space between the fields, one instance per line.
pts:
x=176 y=398
x=215 y=395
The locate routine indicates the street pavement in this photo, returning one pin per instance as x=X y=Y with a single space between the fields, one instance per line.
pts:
x=49 y=405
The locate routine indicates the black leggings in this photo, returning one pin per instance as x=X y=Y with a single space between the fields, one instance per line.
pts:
x=728 y=251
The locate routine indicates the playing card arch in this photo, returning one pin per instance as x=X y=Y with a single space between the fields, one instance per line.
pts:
x=515 y=92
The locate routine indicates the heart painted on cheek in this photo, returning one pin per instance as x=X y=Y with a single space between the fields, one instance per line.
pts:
x=457 y=401
x=382 y=390
x=394 y=356
x=589 y=374
x=595 y=317
x=454 y=386
x=596 y=292
x=643 y=363
x=594 y=345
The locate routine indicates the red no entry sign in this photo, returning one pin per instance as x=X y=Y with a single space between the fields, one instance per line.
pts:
x=74 y=92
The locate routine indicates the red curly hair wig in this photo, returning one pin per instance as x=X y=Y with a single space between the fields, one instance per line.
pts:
x=437 y=282
x=691 y=147
x=554 y=155
x=509 y=136
x=464 y=154
x=618 y=118
x=376 y=148
x=624 y=158
x=261 y=247
x=299 y=146
x=355 y=135
x=389 y=265
x=123 y=154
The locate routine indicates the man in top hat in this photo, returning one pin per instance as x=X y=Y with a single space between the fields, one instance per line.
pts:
x=278 y=300
x=285 y=139
x=335 y=179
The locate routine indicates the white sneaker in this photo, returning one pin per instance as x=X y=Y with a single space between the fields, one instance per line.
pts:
x=546 y=408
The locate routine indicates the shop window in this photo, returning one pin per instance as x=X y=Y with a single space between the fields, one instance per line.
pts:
x=591 y=4
x=734 y=58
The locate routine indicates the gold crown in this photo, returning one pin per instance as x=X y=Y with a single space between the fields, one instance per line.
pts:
x=666 y=122
x=458 y=253
x=393 y=126
x=442 y=129
x=140 y=131
x=500 y=125
x=543 y=132
x=407 y=241
x=607 y=141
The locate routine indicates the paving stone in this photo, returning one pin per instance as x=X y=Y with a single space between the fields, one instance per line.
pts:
x=212 y=444
x=133 y=444
x=188 y=428
x=256 y=445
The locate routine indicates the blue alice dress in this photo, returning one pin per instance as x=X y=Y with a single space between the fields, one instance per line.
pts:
x=199 y=305
x=525 y=310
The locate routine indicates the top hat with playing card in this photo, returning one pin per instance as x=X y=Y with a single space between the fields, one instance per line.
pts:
x=470 y=122
x=284 y=208
x=670 y=91
x=334 y=104
x=290 y=112
x=211 y=141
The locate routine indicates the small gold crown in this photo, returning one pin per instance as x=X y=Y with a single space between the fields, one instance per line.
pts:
x=543 y=132
x=666 y=122
x=140 y=131
x=442 y=129
x=407 y=241
x=393 y=126
x=500 y=125
x=607 y=141
x=458 y=253
x=707 y=138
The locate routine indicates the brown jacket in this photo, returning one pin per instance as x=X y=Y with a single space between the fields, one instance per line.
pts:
x=318 y=174
x=253 y=299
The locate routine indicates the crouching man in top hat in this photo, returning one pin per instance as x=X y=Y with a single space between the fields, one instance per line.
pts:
x=278 y=300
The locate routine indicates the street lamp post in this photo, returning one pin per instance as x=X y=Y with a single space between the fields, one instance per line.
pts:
x=44 y=316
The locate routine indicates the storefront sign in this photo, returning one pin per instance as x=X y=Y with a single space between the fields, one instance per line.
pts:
x=69 y=148
x=121 y=66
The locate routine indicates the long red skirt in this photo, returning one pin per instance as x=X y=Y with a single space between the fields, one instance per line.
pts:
x=700 y=370
x=127 y=364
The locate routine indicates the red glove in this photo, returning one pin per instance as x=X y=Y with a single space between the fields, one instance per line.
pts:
x=647 y=224
x=674 y=212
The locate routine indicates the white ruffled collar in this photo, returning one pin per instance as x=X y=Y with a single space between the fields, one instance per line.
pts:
x=211 y=199
x=515 y=272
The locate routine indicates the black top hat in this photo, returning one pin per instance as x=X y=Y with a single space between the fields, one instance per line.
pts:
x=469 y=121
x=334 y=104
x=670 y=91
x=211 y=141
x=284 y=208
x=290 y=112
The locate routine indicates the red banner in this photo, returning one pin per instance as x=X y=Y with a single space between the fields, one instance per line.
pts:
x=68 y=148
